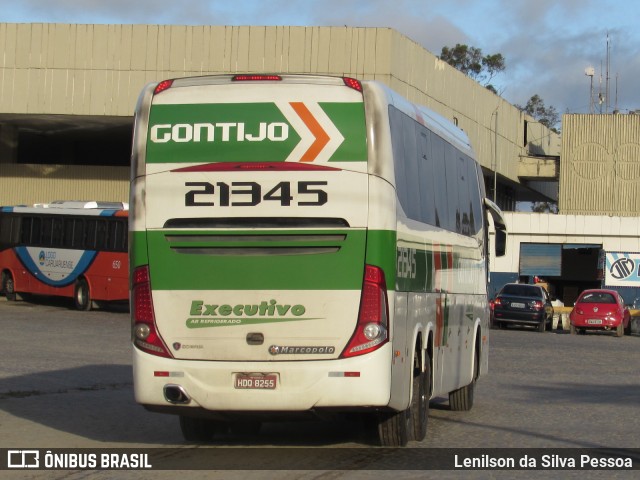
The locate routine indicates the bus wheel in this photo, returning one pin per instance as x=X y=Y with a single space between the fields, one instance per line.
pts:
x=8 y=287
x=197 y=429
x=462 y=399
x=245 y=428
x=394 y=428
x=420 y=402
x=81 y=295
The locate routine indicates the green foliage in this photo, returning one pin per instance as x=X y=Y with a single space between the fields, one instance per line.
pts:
x=544 y=207
x=547 y=116
x=469 y=60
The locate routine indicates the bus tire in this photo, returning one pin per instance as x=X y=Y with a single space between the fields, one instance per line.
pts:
x=394 y=428
x=197 y=429
x=81 y=295
x=420 y=402
x=8 y=287
x=461 y=400
x=245 y=428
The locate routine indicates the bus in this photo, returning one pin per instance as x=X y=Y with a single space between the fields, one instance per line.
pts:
x=74 y=249
x=304 y=246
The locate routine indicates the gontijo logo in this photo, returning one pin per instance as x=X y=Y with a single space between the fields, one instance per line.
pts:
x=286 y=131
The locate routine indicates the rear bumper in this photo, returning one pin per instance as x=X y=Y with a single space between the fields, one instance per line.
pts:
x=606 y=323
x=524 y=318
x=301 y=386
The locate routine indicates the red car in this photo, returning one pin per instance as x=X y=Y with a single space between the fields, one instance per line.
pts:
x=600 y=310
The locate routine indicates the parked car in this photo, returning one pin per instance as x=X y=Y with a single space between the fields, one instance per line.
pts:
x=600 y=309
x=523 y=304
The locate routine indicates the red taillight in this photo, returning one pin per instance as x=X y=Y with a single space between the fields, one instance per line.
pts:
x=537 y=305
x=145 y=333
x=353 y=83
x=372 y=330
x=256 y=78
x=497 y=301
x=162 y=86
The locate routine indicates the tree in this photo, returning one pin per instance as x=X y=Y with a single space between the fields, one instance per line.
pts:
x=469 y=60
x=547 y=116
x=544 y=207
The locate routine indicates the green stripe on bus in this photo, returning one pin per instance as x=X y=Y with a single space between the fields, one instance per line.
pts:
x=292 y=265
x=349 y=120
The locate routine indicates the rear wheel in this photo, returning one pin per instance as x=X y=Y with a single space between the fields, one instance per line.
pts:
x=543 y=325
x=462 y=399
x=394 y=428
x=196 y=429
x=81 y=295
x=627 y=330
x=245 y=428
x=573 y=330
x=201 y=429
x=8 y=287
x=420 y=400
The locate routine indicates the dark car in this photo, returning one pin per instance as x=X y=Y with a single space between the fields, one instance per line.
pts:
x=600 y=309
x=523 y=304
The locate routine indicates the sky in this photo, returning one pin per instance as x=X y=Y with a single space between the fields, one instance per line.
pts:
x=547 y=44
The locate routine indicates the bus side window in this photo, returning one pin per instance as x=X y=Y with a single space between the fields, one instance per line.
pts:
x=118 y=235
x=101 y=235
x=426 y=177
x=46 y=232
x=57 y=230
x=90 y=235
x=114 y=239
x=9 y=229
x=25 y=231
x=78 y=233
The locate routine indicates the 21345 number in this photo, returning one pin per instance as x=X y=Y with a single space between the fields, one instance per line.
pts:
x=250 y=194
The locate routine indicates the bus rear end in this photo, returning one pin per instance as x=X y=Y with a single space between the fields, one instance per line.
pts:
x=256 y=286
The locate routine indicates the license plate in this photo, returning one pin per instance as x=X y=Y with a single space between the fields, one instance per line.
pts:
x=256 y=381
x=517 y=305
x=594 y=321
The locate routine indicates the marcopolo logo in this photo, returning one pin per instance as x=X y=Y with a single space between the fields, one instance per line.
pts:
x=212 y=315
x=219 y=132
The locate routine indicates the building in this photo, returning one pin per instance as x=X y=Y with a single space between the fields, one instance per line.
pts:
x=68 y=94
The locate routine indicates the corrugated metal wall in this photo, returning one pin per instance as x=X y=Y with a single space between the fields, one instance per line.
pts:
x=100 y=69
x=600 y=168
x=27 y=184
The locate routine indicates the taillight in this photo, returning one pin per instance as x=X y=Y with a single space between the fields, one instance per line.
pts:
x=352 y=83
x=145 y=333
x=537 y=305
x=372 y=330
x=256 y=78
x=497 y=301
x=162 y=86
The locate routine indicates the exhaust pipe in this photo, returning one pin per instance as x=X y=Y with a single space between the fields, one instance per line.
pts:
x=176 y=395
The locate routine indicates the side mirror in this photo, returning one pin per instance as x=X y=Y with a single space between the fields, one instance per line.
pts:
x=501 y=243
x=500 y=226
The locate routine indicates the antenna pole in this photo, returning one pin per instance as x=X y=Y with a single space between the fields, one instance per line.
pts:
x=607 y=79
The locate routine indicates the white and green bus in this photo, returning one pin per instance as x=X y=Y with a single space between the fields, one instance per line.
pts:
x=304 y=245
